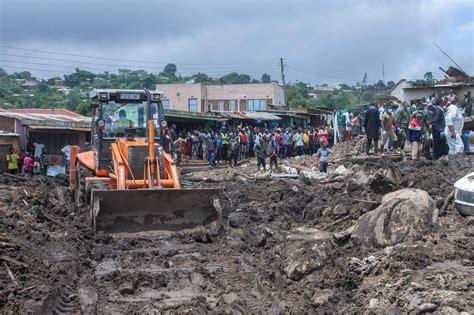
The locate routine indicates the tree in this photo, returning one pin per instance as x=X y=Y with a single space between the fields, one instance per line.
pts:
x=78 y=77
x=390 y=85
x=169 y=71
x=266 y=78
x=428 y=77
x=380 y=85
x=74 y=98
x=235 y=78
x=201 y=78
x=83 y=108
x=22 y=75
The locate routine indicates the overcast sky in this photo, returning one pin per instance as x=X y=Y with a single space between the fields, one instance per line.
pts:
x=321 y=41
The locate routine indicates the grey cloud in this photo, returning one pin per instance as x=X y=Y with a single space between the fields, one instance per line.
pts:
x=352 y=37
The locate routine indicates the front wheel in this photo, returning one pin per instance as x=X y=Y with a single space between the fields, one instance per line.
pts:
x=81 y=194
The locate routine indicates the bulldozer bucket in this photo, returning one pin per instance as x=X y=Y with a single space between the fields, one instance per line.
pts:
x=137 y=210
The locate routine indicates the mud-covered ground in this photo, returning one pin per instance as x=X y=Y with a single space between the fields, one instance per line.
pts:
x=277 y=249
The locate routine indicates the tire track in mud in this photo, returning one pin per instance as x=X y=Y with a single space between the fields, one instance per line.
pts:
x=146 y=273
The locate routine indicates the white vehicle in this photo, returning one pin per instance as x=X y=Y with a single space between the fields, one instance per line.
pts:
x=464 y=194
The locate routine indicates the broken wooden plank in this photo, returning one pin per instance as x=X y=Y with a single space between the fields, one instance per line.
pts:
x=13 y=261
x=10 y=274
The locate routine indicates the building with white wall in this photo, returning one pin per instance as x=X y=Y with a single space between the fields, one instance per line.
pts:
x=198 y=97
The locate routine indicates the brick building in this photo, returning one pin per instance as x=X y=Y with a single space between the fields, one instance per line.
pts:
x=54 y=128
x=198 y=97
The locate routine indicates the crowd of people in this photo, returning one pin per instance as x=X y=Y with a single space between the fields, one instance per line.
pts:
x=224 y=144
x=31 y=161
x=432 y=126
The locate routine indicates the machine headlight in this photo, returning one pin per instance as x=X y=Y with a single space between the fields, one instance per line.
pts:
x=164 y=123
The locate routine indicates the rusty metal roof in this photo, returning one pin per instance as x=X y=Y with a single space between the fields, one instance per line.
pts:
x=58 y=118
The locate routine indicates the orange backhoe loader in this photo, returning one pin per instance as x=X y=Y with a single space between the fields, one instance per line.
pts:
x=129 y=181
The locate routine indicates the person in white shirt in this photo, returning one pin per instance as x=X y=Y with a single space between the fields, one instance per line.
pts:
x=38 y=148
x=454 y=125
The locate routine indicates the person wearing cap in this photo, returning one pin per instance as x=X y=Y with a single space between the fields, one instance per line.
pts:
x=454 y=121
x=322 y=157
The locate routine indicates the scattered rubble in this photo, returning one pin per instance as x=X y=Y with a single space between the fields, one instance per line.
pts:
x=364 y=240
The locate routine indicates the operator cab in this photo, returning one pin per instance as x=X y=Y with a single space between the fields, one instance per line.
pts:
x=122 y=114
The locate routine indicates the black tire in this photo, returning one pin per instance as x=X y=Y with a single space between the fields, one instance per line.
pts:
x=81 y=195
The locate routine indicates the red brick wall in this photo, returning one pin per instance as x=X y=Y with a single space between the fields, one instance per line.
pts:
x=7 y=124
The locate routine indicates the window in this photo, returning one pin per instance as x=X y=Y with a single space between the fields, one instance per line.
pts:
x=232 y=105
x=220 y=105
x=192 y=105
x=166 y=104
x=253 y=105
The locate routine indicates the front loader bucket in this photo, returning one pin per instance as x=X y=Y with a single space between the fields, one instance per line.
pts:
x=137 y=210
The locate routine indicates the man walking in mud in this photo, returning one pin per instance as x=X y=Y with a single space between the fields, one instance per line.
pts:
x=372 y=128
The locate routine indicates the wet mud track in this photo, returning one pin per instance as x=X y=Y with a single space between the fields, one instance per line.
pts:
x=275 y=251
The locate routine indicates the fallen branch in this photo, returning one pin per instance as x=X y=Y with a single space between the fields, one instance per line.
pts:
x=13 y=261
x=26 y=289
x=10 y=274
x=444 y=178
x=446 y=202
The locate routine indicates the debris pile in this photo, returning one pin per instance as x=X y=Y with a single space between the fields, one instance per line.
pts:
x=367 y=238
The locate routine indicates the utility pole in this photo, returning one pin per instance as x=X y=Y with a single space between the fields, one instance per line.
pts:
x=362 y=89
x=383 y=73
x=282 y=69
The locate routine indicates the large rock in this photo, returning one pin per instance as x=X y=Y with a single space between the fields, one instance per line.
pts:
x=404 y=215
x=306 y=251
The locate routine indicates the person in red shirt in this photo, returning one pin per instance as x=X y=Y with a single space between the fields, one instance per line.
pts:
x=243 y=144
x=21 y=159
x=276 y=134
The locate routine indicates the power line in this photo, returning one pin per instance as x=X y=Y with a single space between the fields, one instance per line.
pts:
x=130 y=60
x=31 y=69
x=320 y=68
x=320 y=74
x=325 y=72
x=255 y=68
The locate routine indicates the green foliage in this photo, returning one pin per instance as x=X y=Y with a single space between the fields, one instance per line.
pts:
x=428 y=77
x=265 y=78
x=169 y=71
x=78 y=77
x=235 y=78
x=83 y=108
x=81 y=82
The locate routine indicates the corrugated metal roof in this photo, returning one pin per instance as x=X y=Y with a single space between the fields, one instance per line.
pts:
x=46 y=111
x=4 y=133
x=59 y=128
x=44 y=117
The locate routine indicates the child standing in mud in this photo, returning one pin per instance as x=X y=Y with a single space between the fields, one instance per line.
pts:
x=322 y=157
